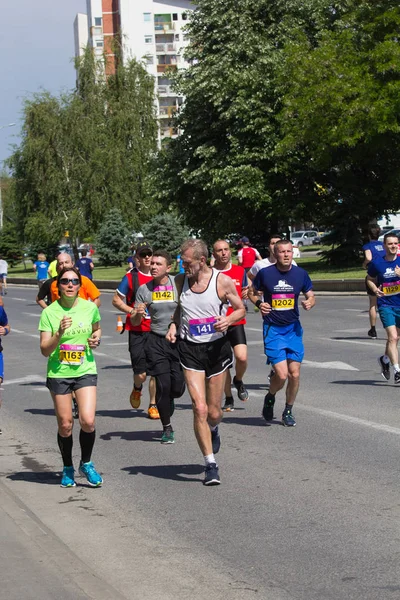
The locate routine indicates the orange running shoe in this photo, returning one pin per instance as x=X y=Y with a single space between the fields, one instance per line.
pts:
x=134 y=398
x=153 y=412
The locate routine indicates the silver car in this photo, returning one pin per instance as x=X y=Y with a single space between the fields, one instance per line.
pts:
x=305 y=238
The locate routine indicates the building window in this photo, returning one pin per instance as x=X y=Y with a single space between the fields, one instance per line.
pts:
x=184 y=16
x=175 y=16
x=177 y=37
x=149 y=60
x=147 y=17
x=99 y=44
x=97 y=21
x=148 y=39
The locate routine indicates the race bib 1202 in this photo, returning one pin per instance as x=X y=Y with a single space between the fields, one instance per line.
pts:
x=282 y=301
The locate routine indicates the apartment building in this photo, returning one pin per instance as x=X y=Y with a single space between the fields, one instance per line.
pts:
x=152 y=31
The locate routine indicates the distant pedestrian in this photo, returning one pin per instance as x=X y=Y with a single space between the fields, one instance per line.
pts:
x=247 y=255
x=41 y=268
x=3 y=276
x=85 y=265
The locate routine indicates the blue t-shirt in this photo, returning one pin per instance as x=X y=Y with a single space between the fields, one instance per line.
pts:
x=179 y=261
x=377 y=249
x=387 y=280
x=281 y=289
x=83 y=264
x=3 y=323
x=41 y=269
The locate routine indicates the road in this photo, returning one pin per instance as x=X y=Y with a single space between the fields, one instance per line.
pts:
x=309 y=513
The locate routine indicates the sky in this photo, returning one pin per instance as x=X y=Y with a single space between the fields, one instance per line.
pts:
x=37 y=50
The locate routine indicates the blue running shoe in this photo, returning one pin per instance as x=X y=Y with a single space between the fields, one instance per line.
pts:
x=288 y=419
x=211 y=475
x=92 y=476
x=67 y=479
x=216 y=440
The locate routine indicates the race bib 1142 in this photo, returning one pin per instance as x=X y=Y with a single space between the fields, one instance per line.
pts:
x=163 y=293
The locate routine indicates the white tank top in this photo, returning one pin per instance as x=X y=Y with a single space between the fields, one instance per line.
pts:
x=198 y=312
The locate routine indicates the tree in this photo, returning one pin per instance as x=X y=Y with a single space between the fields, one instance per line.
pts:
x=112 y=241
x=10 y=246
x=222 y=173
x=165 y=231
x=85 y=152
x=341 y=113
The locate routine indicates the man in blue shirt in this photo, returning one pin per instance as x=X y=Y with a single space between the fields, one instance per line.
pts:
x=384 y=281
x=85 y=265
x=372 y=250
x=281 y=284
x=41 y=266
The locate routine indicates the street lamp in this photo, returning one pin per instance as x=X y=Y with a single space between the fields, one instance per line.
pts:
x=1 y=202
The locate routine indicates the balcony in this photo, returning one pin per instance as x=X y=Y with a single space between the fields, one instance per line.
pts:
x=165 y=90
x=163 y=68
x=165 y=27
x=167 y=48
x=167 y=112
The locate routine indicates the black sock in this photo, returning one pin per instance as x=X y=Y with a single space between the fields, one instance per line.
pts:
x=288 y=407
x=168 y=427
x=138 y=389
x=229 y=399
x=65 y=445
x=86 y=441
x=237 y=381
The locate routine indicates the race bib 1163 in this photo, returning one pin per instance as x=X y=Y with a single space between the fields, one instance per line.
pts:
x=71 y=354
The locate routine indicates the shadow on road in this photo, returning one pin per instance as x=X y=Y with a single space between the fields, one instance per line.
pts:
x=49 y=478
x=354 y=337
x=132 y=436
x=126 y=413
x=361 y=382
x=173 y=472
x=117 y=367
x=35 y=383
x=253 y=421
x=41 y=411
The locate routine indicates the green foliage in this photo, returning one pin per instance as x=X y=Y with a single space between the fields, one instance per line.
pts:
x=10 y=246
x=112 y=241
x=165 y=231
x=83 y=153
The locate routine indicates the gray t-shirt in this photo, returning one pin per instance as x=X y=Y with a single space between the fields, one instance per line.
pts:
x=161 y=302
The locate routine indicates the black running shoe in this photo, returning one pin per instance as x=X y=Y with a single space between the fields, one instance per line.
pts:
x=385 y=368
x=216 y=440
x=211 y=475
x=268 y=409
x=241 y=390
x=372 y=333
x=397 y=377
x=229 y=405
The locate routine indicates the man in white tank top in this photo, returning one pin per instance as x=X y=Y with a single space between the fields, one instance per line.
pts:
x=204 y=349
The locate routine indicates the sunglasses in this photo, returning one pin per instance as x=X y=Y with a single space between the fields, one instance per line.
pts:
x=65 y=281
x=145 y=254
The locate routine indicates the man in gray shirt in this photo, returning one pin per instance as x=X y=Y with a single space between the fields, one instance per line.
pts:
x=159 y=298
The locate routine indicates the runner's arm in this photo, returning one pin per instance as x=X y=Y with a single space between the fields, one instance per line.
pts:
x=176 y=317
x=119 y=304
x=94 y=340
x=227 y=292
x=367 y=258
x=372 y=284
x=309 y=301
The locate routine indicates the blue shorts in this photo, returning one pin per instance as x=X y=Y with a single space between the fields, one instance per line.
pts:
x=390 y=315
x=1 y=366
x=283 y=342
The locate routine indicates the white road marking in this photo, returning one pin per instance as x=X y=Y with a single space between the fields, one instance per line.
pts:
x=125 y=361
x=353 y=309
x=26 y=379
x=115 y=344
x=259 y=330
x=370 y=343
x=20 y=299
x=349 y=330
x=34 y=335
x=336 y=364
x=37 y=315
x=350 y=419
x=255 y=342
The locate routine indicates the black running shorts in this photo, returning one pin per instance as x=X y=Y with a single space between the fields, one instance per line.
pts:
x=236 y=335
x=136 y=350
x=210 y=358
x=62 y=387
x=161 y=355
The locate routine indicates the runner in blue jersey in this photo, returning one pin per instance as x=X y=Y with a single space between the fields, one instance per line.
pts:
x=384 y=281
x=372 y=250
x=281 y=284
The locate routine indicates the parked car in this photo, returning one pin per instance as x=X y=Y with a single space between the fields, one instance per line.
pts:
x=305 y=238
x=393 y=231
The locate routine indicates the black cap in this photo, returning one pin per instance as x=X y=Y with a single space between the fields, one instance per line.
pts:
x=143 y=247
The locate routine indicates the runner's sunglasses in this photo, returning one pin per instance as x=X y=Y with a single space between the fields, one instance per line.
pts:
x=66 y=281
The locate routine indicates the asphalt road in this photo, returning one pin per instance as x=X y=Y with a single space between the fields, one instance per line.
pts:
x=309 y=513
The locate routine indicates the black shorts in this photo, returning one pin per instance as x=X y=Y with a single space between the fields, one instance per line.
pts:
x=136 y=350
x=62 y=387
x=236 y=335
x=210 y=358
x=161 y=355
x=369 y=292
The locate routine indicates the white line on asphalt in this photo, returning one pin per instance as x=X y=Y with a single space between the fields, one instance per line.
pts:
x=27 y=379
x=371 y=343
x=19 y=299
x=335 y=364
x=34 y=335
x=115 y=344
x=255 y=342
x=37 y=315
x=350 y=419
x=349 y=330
x=352 y=309
x=125 y=361
x=259 y=330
